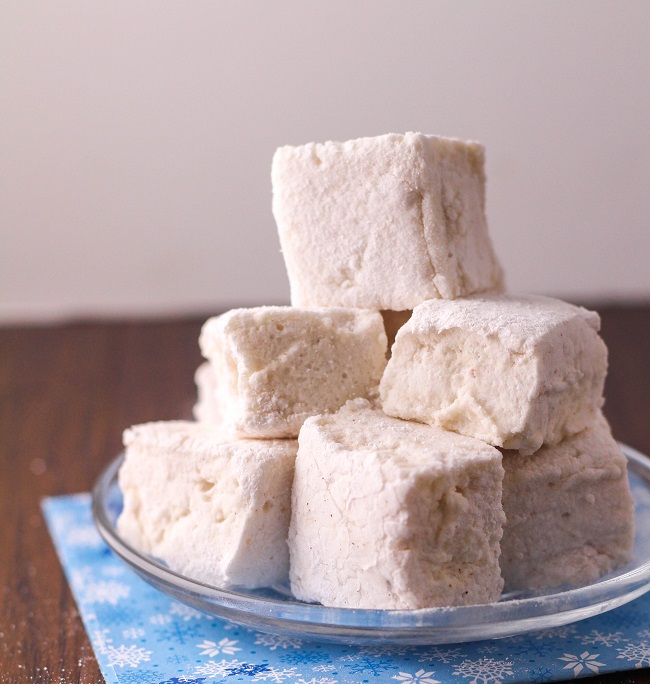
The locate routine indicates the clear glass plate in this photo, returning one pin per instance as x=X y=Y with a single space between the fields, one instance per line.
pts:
x=275 y=610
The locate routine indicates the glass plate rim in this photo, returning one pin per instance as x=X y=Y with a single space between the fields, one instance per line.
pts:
x=507 y=617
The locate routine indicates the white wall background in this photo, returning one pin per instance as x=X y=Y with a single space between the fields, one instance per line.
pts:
x=136 y=138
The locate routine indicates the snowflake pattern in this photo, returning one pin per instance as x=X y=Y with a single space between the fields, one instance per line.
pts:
x=180 y=632
x=101 y=640
x=484 y=670
x=140 y=676
x=275 y=674
x=373 y=666
x=83 y=535
x=539 y=675
x=248 y=669
x=113 y=571
x=81 y=575
x=127 y=655
x=578 y=663
x=221 y=669
x=275 y=641
x=419 y=677
x=225 y=646
x=133 y=633
x=441 y=655
x=299 y=657
x=185 y=612
x=105 y=592
x=639 y=654
x=533 y=649
x=488 y=649
x=564 y=632
x=147 y=637
x=349 y=657
x=598 y=638
x=177 y=659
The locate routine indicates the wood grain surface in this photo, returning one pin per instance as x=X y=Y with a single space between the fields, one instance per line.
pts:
x=66 y=394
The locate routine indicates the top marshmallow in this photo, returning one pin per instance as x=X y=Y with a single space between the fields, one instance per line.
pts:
x=384 y=222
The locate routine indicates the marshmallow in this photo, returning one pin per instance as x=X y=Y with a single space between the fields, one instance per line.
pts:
x=569 y=511
x=384 y=222
x=393 y=515
x=513 y=371
x=279 y=365
x=212 y=508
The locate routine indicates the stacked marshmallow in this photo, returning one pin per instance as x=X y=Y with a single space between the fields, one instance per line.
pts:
x=477 y=453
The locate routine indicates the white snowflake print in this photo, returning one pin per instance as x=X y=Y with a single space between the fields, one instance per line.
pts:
x=598 y=638
x=579 y=663
x=81 y=576
x=317 y=680
x=563 y=632
x=83 y=535
x=349 y=658
x=441 y=655
x=127 y=655
x=275 y=641
x=639 y=654
x=275 y=674
x=484 y=670
x=160 y=619
x=489 y=648
x=101 y=640
x=133 y=633
x=105 y=592
x=421 y=677
x=325 y=667
x=187 y=613
x=220 y=669
x=62 y=523
x=225 y=646
x=113 y=570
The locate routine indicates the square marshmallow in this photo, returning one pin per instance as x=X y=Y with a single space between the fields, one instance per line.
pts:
x=514 y=371
x=212 y=508
x=276 y=365
x=569 y=512
x=393 y=515
x=384 y=222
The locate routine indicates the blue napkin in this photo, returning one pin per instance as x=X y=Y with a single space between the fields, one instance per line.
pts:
x=140 y=636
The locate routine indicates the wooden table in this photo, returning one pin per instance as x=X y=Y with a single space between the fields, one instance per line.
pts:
x=66 y=394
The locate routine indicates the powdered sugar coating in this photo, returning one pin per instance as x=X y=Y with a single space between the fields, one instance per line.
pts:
x=212 y=507
x=277 y=365
x=393 y=515
x=516 y=371
x=569 y=510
